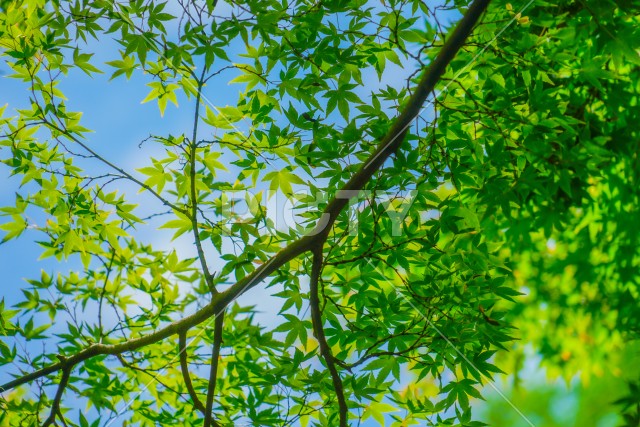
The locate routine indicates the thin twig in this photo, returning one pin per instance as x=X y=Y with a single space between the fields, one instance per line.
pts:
x=127 y=175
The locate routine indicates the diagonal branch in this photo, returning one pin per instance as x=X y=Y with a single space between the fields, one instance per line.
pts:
x=318 y=331
x=387 y=146
x=184 y=368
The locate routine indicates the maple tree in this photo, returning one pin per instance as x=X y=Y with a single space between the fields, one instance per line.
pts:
x=489 y=196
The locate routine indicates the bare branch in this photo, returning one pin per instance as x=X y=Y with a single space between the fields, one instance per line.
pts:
x=193 y=146
x=55 y=406
x=184 y=368
x=213 y=374
x=318 y=331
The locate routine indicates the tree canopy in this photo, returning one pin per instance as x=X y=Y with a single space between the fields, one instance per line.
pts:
x=414 y=192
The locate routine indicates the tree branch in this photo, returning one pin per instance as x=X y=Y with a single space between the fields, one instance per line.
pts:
x=213 y=374
x=184 y=368
x=55 y=406
x=318 y=331
x=193 y=147
x=219 y=301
